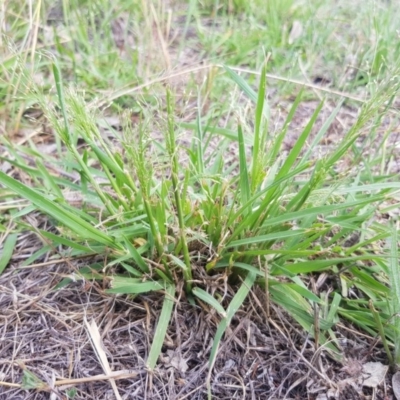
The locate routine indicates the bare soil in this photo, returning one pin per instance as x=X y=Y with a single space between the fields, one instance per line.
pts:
x=260 y=357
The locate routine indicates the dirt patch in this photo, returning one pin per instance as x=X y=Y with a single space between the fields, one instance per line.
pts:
x=44 y=331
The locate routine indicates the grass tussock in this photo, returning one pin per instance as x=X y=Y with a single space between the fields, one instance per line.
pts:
x=178 y=187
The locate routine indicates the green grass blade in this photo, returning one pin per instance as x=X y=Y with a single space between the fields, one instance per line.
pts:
x=319 y=265
x=32 y=381
x=212 y=301
x=133 y=271
x=394 y=275
x=265 y=238
x=254 y=216
x=136 y=256
x=162 y=327
x=368 y=188
x=92 y=272
x=369 y=282
x=251 y=94
x=66 y=135
x=241 y=265
x=243 y=172
x=294 y=304
x=49 y=181
x=36 y=255
x=323 y=210
x=381 y=331
x=8 y=250
x=200 y=140
x=277 y=142
x=303 y=292
x=236 y=302
x=125 y=285
x=334 y=306
x=259 y=136
x=67 y=218
x=72 y=244
x=294 y=153
x=177 y=261
x=171 y=148
x=110 y=163
x=324 y=128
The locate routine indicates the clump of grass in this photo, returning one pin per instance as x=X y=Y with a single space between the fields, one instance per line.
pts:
x=268 y=220
x=165 y=216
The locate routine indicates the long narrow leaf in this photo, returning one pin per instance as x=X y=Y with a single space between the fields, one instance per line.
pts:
x=125 y=285
x=251 y=94
x=319 y=265
x=65 y=242
x=212 y=301
x=136 y=256
x=243 y=173
x=322 y=131
x=265 y=238
x=162 y=327
x=230 y=312
x=258 y=135
x=323 y=210
x=67 y=218
x=8 y=250
x=294 y=153
x=394 y=273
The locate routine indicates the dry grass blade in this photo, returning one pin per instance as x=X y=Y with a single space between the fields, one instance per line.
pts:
x=170 y=76
x=113 y=375
x=97 y=344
